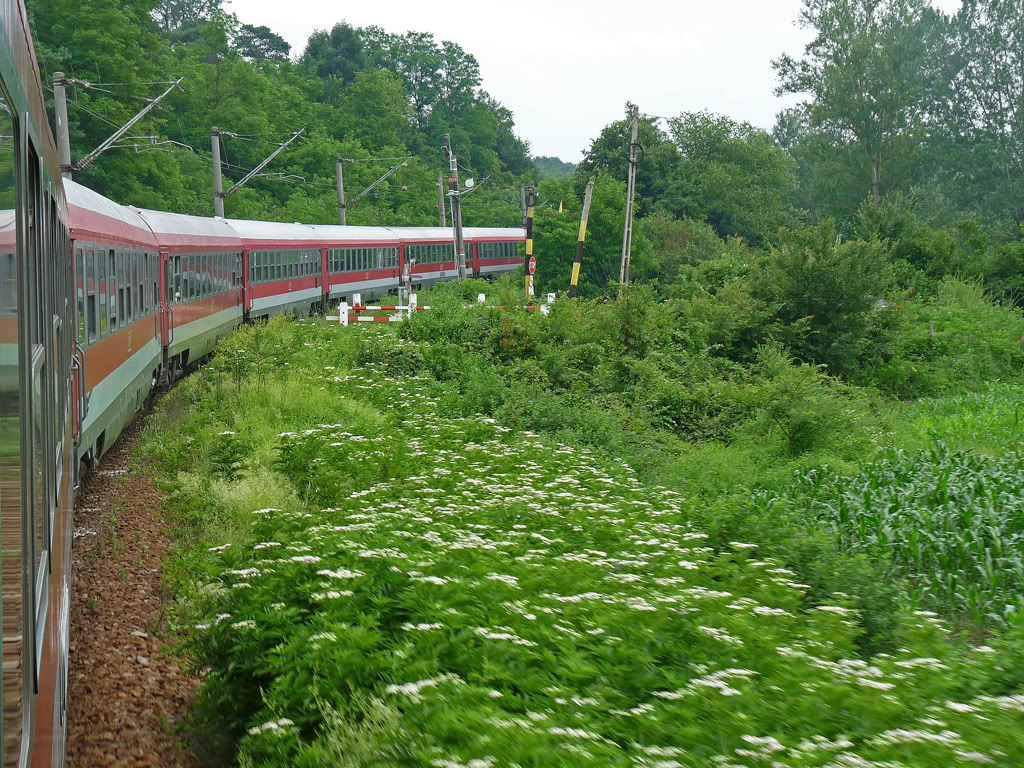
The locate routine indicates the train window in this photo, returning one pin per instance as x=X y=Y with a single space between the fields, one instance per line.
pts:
x=122 y=278
x=15 y=650
x=133 y=294
x=113 y=283
x=140 y=302
x=128 y=304
x=278 y=265
x=291 y=272
x=99 y=269
x=90 y=287
x=79 y=292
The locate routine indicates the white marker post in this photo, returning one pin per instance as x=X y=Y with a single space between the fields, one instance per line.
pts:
x=480 y=298
x=343 y=313
x=412 y=304
x=357 y=300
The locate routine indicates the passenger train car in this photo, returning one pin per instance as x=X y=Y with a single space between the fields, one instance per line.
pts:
x=37 y=412
x=98 y=303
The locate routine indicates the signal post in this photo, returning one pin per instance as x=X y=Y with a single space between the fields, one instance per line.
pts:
x=531 y=262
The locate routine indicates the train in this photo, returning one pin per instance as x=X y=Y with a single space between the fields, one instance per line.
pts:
x=99 y=304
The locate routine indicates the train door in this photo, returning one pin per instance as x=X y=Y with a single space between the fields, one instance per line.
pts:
x=166 y=300
x=474 y=265
x=236 y=279
x=248 y=278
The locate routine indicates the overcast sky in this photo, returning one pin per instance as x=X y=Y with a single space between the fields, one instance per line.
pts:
x=566 y=68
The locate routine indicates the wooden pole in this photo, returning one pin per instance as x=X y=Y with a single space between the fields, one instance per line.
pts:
x=579 y=243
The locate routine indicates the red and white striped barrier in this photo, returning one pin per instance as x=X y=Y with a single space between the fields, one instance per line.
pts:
x=347 y=314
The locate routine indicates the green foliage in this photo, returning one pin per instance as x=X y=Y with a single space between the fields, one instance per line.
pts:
x=411 y=603
x=358 y=93
x=809 y=409
x=830 y=296
x=975 y=341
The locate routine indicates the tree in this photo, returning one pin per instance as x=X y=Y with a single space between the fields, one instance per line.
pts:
x=982 y=106
x=731 y=174
x=609 y=153
x=862 y=71
x=826 y=293
x=338 y=53
x=260 y=44
x=175 y=14
x=375 y=111
x=552 y=167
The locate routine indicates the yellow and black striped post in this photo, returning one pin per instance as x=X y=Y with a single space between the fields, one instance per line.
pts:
x=579 y=243
x=531 y=201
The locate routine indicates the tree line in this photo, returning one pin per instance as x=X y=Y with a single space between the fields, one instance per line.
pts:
x=910 y=132
x=359 y=93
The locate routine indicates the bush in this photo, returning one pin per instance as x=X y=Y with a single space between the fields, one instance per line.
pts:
x=826 y=292
x=976 y=341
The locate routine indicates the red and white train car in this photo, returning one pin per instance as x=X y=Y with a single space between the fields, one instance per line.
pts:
x=283 y=267
x=118 y=340
x=201 y=276
x=363 y=260
x=495 y=249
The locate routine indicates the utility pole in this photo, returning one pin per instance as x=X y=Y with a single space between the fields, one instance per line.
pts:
x=60 y=103
x=579 y=243
x=341 y=189
x=627 y=234
x=218 y=182
x=440 y=199
x=453 y=193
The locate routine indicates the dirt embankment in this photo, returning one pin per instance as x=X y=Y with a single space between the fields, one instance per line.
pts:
x=126 y=696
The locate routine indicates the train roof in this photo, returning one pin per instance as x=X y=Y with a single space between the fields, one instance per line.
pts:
x=496 y=233
x=252 y=232
x=179 y=232
x=470 y=233
x=423 y=233
x=338 y=234
x=91 y=216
